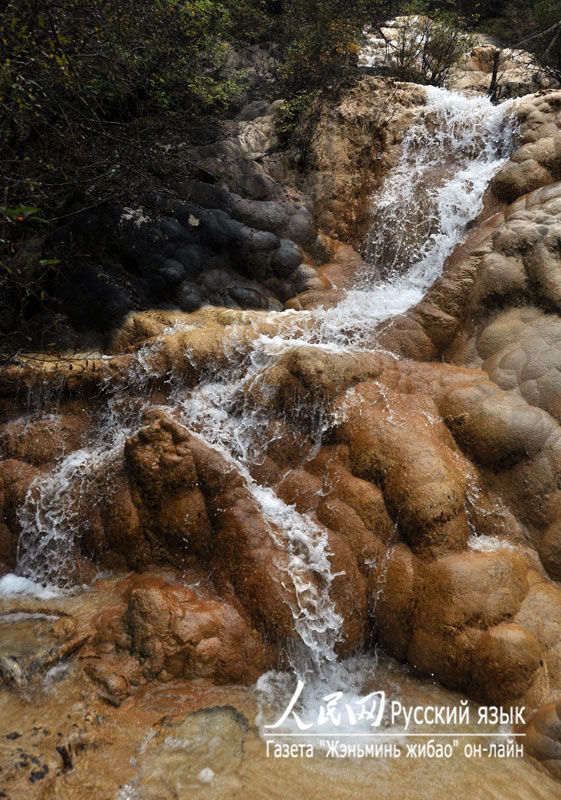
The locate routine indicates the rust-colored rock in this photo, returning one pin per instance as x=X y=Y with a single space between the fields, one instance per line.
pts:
x=433 y=495
x=43 y=439
x=166 y=630
x=542 y=740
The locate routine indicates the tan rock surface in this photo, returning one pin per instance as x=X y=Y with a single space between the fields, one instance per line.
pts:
x=435 y=486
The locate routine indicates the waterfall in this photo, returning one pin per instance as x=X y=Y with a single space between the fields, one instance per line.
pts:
x=422 y=211
x=418 y=217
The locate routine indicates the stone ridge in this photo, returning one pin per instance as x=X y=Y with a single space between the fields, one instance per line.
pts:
x=437 y=486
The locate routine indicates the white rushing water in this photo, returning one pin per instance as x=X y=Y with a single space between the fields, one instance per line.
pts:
x=418 y=217
x=421 y=212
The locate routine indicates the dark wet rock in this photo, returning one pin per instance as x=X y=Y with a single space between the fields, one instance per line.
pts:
x=189 y=296
x=38 y=774
x=301 y=229
x=65 y=756
x=172 y=272
x=251 y=111
x=207 y=195
x=286 y=259
x=212 y=247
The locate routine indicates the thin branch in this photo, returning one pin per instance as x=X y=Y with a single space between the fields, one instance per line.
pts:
x=537 y=35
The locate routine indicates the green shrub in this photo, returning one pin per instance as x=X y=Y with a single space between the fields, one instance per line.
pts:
x=322 y=38
x=533 y=26
x=291 y=112
x=428 y=49
x=110 y=57
x=253 y=21
x=73 y=72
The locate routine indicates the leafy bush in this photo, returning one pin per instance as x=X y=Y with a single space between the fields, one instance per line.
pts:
x=535 y=27
x=71 y=71
x=291 y=112
x=83 y=86
x=322 y=39
x=253 y=21
x=428 y=49
x=111 y=56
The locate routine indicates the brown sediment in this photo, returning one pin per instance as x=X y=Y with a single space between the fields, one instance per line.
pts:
x=449 y=425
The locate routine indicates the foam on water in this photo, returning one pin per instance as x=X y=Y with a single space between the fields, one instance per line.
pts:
x=488 y=544
x=12 y=585
x=315 y=618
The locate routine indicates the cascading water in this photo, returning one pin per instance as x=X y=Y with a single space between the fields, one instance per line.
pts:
x=420 y=214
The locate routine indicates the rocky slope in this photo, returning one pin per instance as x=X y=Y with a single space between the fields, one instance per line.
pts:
x=219 y=221
x=437 y=487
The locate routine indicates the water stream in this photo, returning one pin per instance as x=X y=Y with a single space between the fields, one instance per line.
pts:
x=418 y=217
x=420 y=214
